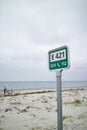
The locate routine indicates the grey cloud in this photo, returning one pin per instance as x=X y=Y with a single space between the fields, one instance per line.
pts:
x=43 y=23
x=28 y=29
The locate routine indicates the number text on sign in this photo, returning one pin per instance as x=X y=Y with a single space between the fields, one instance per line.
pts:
x=58 y=55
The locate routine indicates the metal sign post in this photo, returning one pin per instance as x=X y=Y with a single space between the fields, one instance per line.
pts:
x=58 y=61
x=59 y=100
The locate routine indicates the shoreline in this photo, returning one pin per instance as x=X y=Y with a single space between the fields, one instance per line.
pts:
x=34 y=91
x=37 y=89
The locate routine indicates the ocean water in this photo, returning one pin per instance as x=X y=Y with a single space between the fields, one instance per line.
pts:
x=24 y=85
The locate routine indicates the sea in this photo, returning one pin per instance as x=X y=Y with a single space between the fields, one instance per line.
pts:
x=34 y=85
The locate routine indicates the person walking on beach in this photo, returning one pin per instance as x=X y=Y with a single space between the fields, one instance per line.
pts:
x=5 y=89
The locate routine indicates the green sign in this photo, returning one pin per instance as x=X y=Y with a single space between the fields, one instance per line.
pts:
x=59 y=58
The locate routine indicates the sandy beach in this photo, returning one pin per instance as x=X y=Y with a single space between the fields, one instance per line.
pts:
x=37 y=110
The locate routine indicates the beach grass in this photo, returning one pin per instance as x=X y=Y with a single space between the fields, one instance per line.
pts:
x=24 y=110
x=76 y=102
x=1 y=129
x=67 y=117
x=27 y=93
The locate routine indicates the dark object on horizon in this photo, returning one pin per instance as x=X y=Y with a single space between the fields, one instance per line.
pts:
x=5 y=89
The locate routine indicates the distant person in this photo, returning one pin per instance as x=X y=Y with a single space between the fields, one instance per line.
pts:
x=5 y=89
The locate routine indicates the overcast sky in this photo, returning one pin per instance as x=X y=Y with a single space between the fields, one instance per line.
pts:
x=30 y=28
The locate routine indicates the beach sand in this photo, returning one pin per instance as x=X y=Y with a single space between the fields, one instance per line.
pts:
x=37 y=110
